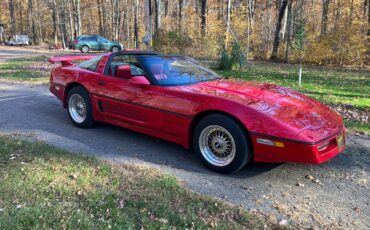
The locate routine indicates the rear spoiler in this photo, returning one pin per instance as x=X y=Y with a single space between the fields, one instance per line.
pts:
x=67 y=60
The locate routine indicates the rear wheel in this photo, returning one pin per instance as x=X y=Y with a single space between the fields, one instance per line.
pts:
x=85 y=49
x=79 y=107
x=115 y=49
x=222 y=144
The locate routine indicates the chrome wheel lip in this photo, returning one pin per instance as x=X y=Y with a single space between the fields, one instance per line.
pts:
x=77 y=108
x=217 y=145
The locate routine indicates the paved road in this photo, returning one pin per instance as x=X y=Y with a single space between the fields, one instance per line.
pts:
x=339 y=199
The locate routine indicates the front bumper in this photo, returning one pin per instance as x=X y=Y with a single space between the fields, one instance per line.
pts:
x=297 y=152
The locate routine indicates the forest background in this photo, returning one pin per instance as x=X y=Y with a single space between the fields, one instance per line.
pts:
x=326 y=32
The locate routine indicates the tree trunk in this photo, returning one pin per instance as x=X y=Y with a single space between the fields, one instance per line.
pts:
x=116 y=17
x=136 y=29
x=157 y=16
x=71 y=34
x=39 y=27
x=31 y=23
x=368 y=19
x=276 y=43
x=77 y=16
x=228 y=14
x=251 y=13
x=100 y=16
x=166 y=8
x=13 y=22
x=148 y=22
x=104 y=16
x=289 y=31
x=269 y=29
x=180 y=15
x=324 y=17
x=63 y=27
x=55 y=28
x=284 y=24
x=203 y=17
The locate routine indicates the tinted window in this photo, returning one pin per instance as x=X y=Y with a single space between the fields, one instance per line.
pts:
x=83 y=39
x=103 y=40
x=123 y=59
x=90 y=64
x=91 y=39
x=176 y=70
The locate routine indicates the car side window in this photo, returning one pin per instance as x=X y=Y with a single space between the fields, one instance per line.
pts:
x=102 y=40
x=83 y=39
x=90 y=64
x=92 y=39
x=136 y=69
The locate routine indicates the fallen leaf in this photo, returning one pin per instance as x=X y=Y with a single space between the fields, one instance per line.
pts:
x=163 y=220
x=310 y=177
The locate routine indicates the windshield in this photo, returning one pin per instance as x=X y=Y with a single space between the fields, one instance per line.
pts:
x=177 y=70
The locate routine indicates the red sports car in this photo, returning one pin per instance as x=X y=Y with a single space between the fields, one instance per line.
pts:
x=227 y=122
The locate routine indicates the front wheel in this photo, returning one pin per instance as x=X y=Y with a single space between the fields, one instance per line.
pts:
x=222 y=144
x=79 y=107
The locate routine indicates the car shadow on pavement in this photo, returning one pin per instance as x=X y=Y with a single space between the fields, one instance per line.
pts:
x=163 y=153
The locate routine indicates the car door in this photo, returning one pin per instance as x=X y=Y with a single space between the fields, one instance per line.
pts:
x=104 y=44
x=130 y=104
x=93 y=42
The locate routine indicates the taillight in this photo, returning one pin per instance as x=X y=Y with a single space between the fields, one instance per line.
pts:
x=75 y=41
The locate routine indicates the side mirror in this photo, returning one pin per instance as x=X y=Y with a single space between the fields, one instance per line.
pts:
x=123 y=71
x=139 y=80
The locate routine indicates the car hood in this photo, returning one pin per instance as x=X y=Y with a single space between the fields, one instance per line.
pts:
x=310 y=120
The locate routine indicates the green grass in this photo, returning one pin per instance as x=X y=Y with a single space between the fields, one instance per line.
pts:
x=47 y=188
x=331 y=86
x=31 y=69
x=357 y=126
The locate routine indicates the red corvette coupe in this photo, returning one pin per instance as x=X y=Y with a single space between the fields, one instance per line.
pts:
x=227 y=122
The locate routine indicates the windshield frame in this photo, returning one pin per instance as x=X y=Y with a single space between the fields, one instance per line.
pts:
x=151 y=76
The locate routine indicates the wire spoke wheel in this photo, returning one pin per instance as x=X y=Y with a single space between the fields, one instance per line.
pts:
x=217 y=145
x=77 y=108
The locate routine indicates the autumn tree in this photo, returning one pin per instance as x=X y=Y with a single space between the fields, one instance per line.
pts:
x=276 y=43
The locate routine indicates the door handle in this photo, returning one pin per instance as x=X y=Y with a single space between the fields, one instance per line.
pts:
x=100 y=82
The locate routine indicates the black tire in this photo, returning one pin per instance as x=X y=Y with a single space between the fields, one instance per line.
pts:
x=115 y=49
x=88 y=120
x=85 y=49
x=242 y=143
